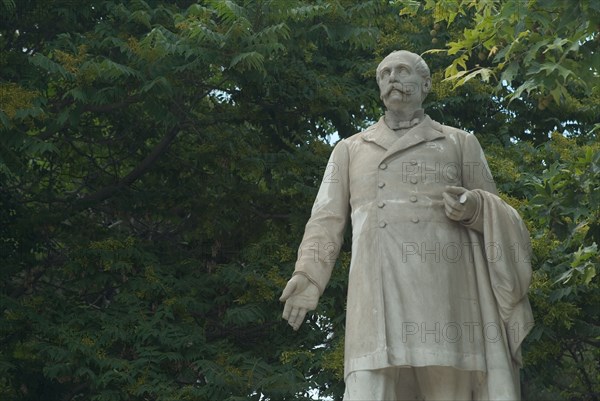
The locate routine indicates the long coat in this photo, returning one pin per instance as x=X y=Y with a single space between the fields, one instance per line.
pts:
x=423 y=290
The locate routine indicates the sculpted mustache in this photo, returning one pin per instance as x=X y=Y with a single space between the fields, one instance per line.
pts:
x=406 y=89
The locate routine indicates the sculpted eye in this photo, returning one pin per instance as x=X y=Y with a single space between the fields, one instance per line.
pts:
x=385 y=73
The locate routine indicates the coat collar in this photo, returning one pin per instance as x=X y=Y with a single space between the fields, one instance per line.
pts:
x=382 y=135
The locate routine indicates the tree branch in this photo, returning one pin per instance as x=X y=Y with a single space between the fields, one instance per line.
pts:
x=584 y=374
x=130 y=178
x=265 y=215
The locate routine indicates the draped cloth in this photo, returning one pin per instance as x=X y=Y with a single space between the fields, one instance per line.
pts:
x=503 y=274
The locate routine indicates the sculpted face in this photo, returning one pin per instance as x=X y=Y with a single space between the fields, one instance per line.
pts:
x=401 y=84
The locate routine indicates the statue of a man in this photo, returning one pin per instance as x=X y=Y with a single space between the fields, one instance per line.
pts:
x=437 y=302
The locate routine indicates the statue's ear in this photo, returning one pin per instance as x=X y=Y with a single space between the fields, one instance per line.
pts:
x=427 y=85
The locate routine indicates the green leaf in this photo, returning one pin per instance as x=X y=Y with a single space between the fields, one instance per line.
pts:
x=509 y=73
x=248 y=61
x=589 y=274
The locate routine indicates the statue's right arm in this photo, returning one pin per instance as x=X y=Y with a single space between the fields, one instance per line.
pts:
x=300 y=296
x=323 y=237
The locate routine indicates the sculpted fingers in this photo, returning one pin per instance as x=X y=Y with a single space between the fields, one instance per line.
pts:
x=460 y=203
x=450 y=202
x=287 y=311
x=297 y=318
x=288 y=291
x=293 y=320
x=454 y=209
x=455 y=190
x=300 y=319
x=293 y=315
x=300 y=296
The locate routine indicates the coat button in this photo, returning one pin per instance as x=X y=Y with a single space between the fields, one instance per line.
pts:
x=381 y=204
x=381 y=184
x=413 y=198
x=382 y=224
x=383 y=166
x=414 y=180
x=414 y=219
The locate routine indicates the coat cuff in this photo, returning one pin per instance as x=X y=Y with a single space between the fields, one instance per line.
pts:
x=475 y=222
x=309 y=279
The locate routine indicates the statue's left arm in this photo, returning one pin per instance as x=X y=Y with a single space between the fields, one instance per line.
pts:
x=463 y=204
x=504 y=239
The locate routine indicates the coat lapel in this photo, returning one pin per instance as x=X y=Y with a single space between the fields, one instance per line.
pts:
x=382 y=135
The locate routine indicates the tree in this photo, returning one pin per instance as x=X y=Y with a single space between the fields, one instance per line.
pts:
x=158 y=162
x=539 y=55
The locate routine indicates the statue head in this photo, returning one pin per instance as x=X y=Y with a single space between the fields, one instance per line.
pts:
x=404 y=80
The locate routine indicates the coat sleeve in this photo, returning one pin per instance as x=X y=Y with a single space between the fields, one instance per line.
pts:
x=324 y=232
x=476 y=174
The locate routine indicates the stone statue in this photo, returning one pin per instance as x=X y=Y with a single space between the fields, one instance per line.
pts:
x=437 y=303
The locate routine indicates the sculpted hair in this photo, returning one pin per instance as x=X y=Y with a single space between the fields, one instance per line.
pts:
x=420 y=65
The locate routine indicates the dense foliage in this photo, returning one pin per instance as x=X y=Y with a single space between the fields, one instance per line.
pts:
x=158 y=162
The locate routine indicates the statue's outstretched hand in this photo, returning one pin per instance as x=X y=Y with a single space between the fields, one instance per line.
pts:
x=460 y=203
x=300 y=296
